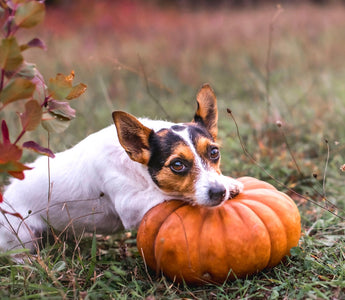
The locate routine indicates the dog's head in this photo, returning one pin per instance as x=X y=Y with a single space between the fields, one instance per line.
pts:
x=182 y=159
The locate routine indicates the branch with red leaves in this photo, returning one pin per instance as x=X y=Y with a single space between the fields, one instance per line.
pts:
x=46 y=104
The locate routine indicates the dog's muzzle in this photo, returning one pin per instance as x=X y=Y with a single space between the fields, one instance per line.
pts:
x=216 y=194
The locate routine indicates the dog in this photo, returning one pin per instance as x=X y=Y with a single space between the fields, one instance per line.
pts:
x=109 y=180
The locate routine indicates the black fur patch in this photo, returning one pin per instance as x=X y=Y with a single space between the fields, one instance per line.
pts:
x=178 y=127
x=162 y=145
x=195 y=132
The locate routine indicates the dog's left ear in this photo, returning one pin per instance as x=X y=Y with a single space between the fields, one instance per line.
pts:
x=207 y=112
x=133 y=136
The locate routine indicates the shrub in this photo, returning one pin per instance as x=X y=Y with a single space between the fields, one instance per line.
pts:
x=46 y=104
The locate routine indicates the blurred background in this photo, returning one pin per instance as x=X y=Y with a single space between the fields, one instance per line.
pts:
x=268 y=62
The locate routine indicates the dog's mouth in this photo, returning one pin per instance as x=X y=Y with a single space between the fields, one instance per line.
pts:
x=215 y=203
x=234 y=193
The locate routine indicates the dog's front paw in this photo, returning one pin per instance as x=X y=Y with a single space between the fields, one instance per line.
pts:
x=237 y=188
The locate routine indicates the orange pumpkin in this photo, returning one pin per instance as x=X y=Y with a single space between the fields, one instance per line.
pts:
x=244 y=235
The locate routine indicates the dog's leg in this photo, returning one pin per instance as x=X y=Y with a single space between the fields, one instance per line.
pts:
x=18 y=230
x=16 y=234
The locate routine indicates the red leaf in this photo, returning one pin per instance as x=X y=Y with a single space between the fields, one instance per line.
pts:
x=8 y=151
x=9 y=155
x=34 y=43
x=37 y=43
x=5 y=133
x=14 y=168
x=32 y=116
x=38 y=148
x=15 y=214
x=18 y=175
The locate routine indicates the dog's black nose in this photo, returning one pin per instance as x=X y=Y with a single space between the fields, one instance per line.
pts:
x=216 y=194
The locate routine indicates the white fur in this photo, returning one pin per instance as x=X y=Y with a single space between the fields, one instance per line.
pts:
x=95 y=186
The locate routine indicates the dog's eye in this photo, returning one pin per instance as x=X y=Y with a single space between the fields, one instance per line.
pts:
x=214 y=153
x=177 y=166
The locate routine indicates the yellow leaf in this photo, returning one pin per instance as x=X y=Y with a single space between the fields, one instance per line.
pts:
x=29 y=14
x=17 y=89
x=70 y=77
x=77 y=91
x=10 y=55
x=60 y=86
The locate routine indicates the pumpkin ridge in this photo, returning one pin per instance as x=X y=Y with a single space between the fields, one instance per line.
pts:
x=221 y=213
x=280 y=203
x=204 y=215
x=158 y=227
x=258 y=213
x=172 y=213
x=205 y=271
x=185 y=238
x=236 y=206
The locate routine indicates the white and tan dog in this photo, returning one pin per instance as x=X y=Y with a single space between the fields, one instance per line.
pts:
x=109 y=180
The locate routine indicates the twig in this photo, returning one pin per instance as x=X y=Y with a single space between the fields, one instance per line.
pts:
x=2 y=79
x=268 y=59
x=149 y=90
x=272 y=177
x=323 y=194
x=279 y=124
x=52 y=276
x=20 y=136
x=139 y=73
x=145 y=264
x=324 y=173
x=49 y=190
x=105 y=92
x=71 y=223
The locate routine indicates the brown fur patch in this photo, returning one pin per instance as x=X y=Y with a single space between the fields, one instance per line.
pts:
x=181 y=151
x=162 y=132
x=203 y=148
x=133 y=136
x=207 y=112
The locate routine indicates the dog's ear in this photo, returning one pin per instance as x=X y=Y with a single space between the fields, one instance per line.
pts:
x=207 y=112
x=133 y=136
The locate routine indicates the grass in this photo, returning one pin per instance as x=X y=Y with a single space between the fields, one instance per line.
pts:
x=150 y=61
